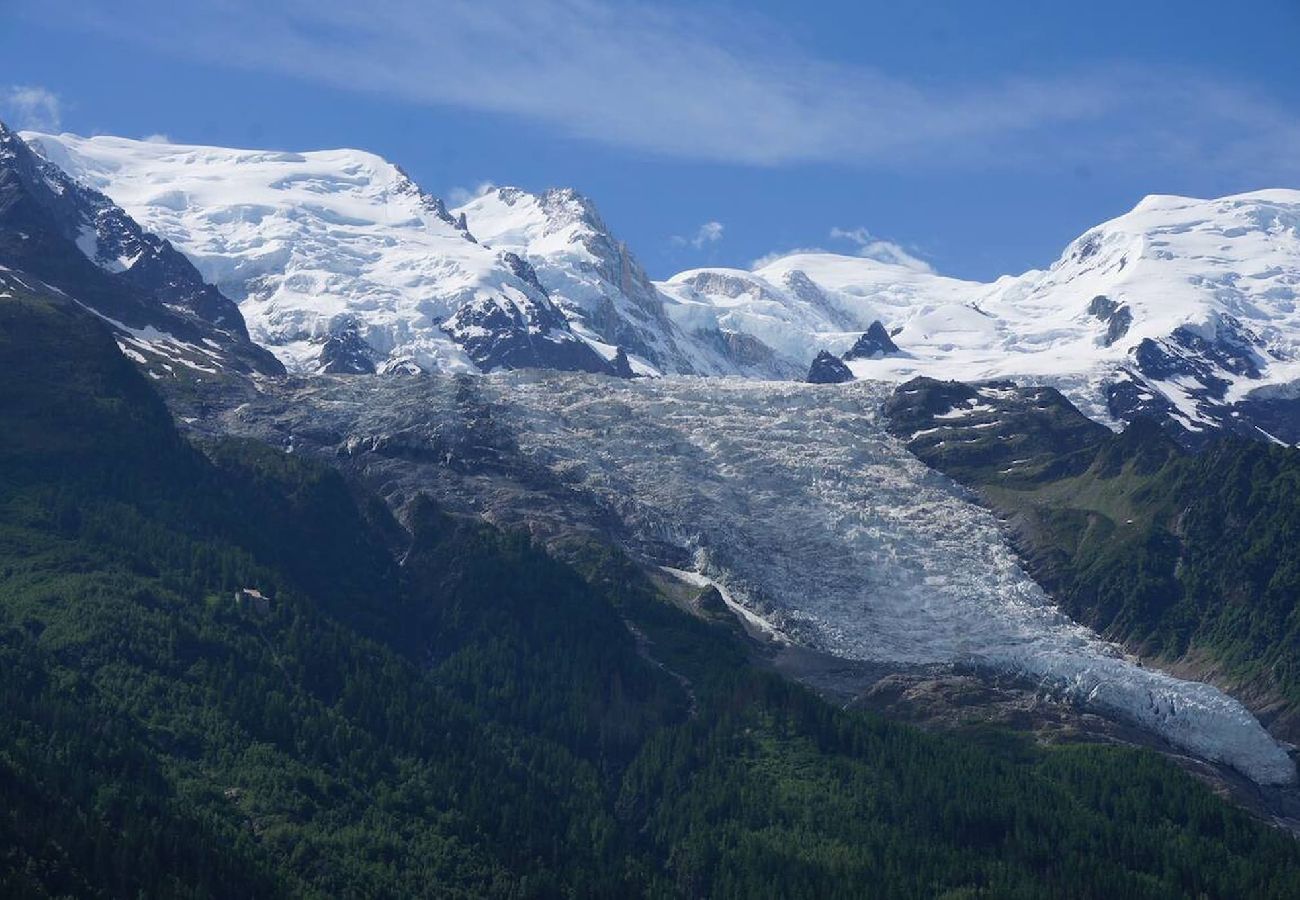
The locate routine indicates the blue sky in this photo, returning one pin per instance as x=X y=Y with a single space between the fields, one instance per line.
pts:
x=977 y=137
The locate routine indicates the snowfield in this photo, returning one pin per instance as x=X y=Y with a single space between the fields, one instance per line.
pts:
x=1225 y=269
x=791 y=497
x=304 y=242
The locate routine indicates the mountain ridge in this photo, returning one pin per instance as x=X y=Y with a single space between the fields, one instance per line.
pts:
x=1182 y=309
x=69 y=239
x=318 y=245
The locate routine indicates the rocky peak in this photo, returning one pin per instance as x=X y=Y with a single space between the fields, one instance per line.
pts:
x=566 y=206
x=874 y=343
x=586 y=271
x=523 y=270
x=428 y=202
x=1117 y=316
x=827 y=368
x=77 y=240
x=345 y=351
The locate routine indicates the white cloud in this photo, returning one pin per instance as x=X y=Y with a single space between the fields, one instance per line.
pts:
x=879 y=249
x=459 y=196
x=31 y=107
x=710 y=83
x=708 y=233
x=157 y=138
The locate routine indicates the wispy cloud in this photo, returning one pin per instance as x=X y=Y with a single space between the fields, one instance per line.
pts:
x=707 y=83
x=460 y=195
x=31 y=106
x=708 y=233
x=768 y=258
x=872 y=247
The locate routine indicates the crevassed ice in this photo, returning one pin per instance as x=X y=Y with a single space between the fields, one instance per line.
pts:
x=796 y=499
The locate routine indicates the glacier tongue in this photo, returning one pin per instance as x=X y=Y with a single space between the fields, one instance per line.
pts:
x=795 y=499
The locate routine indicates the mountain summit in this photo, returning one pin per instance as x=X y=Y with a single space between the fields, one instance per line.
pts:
x=1181 y=309
x=75 y=241
x=333 y=247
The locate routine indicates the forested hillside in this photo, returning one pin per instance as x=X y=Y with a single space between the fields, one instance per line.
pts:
x=439 y=709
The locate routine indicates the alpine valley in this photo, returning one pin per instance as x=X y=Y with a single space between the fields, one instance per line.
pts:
x=356 y=545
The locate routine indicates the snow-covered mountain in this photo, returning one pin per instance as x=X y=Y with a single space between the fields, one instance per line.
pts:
x=338 y=261
x=1181 y=308
x=796 y=498
x=1184 y=308
x=606 y=294
x=590 y=275
x=59 y=237
x=804 y=303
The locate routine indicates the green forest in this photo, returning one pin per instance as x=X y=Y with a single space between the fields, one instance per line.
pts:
x=439 y=708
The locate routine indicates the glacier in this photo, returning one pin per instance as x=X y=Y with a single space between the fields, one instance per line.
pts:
x=792 y=497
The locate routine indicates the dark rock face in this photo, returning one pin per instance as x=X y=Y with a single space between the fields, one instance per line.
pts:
x=1129 y=398
x=1201 y=367
x=622 y=367
x=522 y=332
x=518 y=330
x=1276 y=417
x=710 y=605
x=874 y=344
x=913 y=405
x=1185 y=354
x=828 y=369
x=993 y=430
x=1102 y=307
x=1118 y=317
x=345 y=352
x=1119 y=325
x=78 y=241
x=520 y=268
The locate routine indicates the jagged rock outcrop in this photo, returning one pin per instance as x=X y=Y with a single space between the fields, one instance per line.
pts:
x=827 y=368
x=1117 y=316
x=874 y=343
x=518 y=331
x=345 y=352
x=587 y=272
